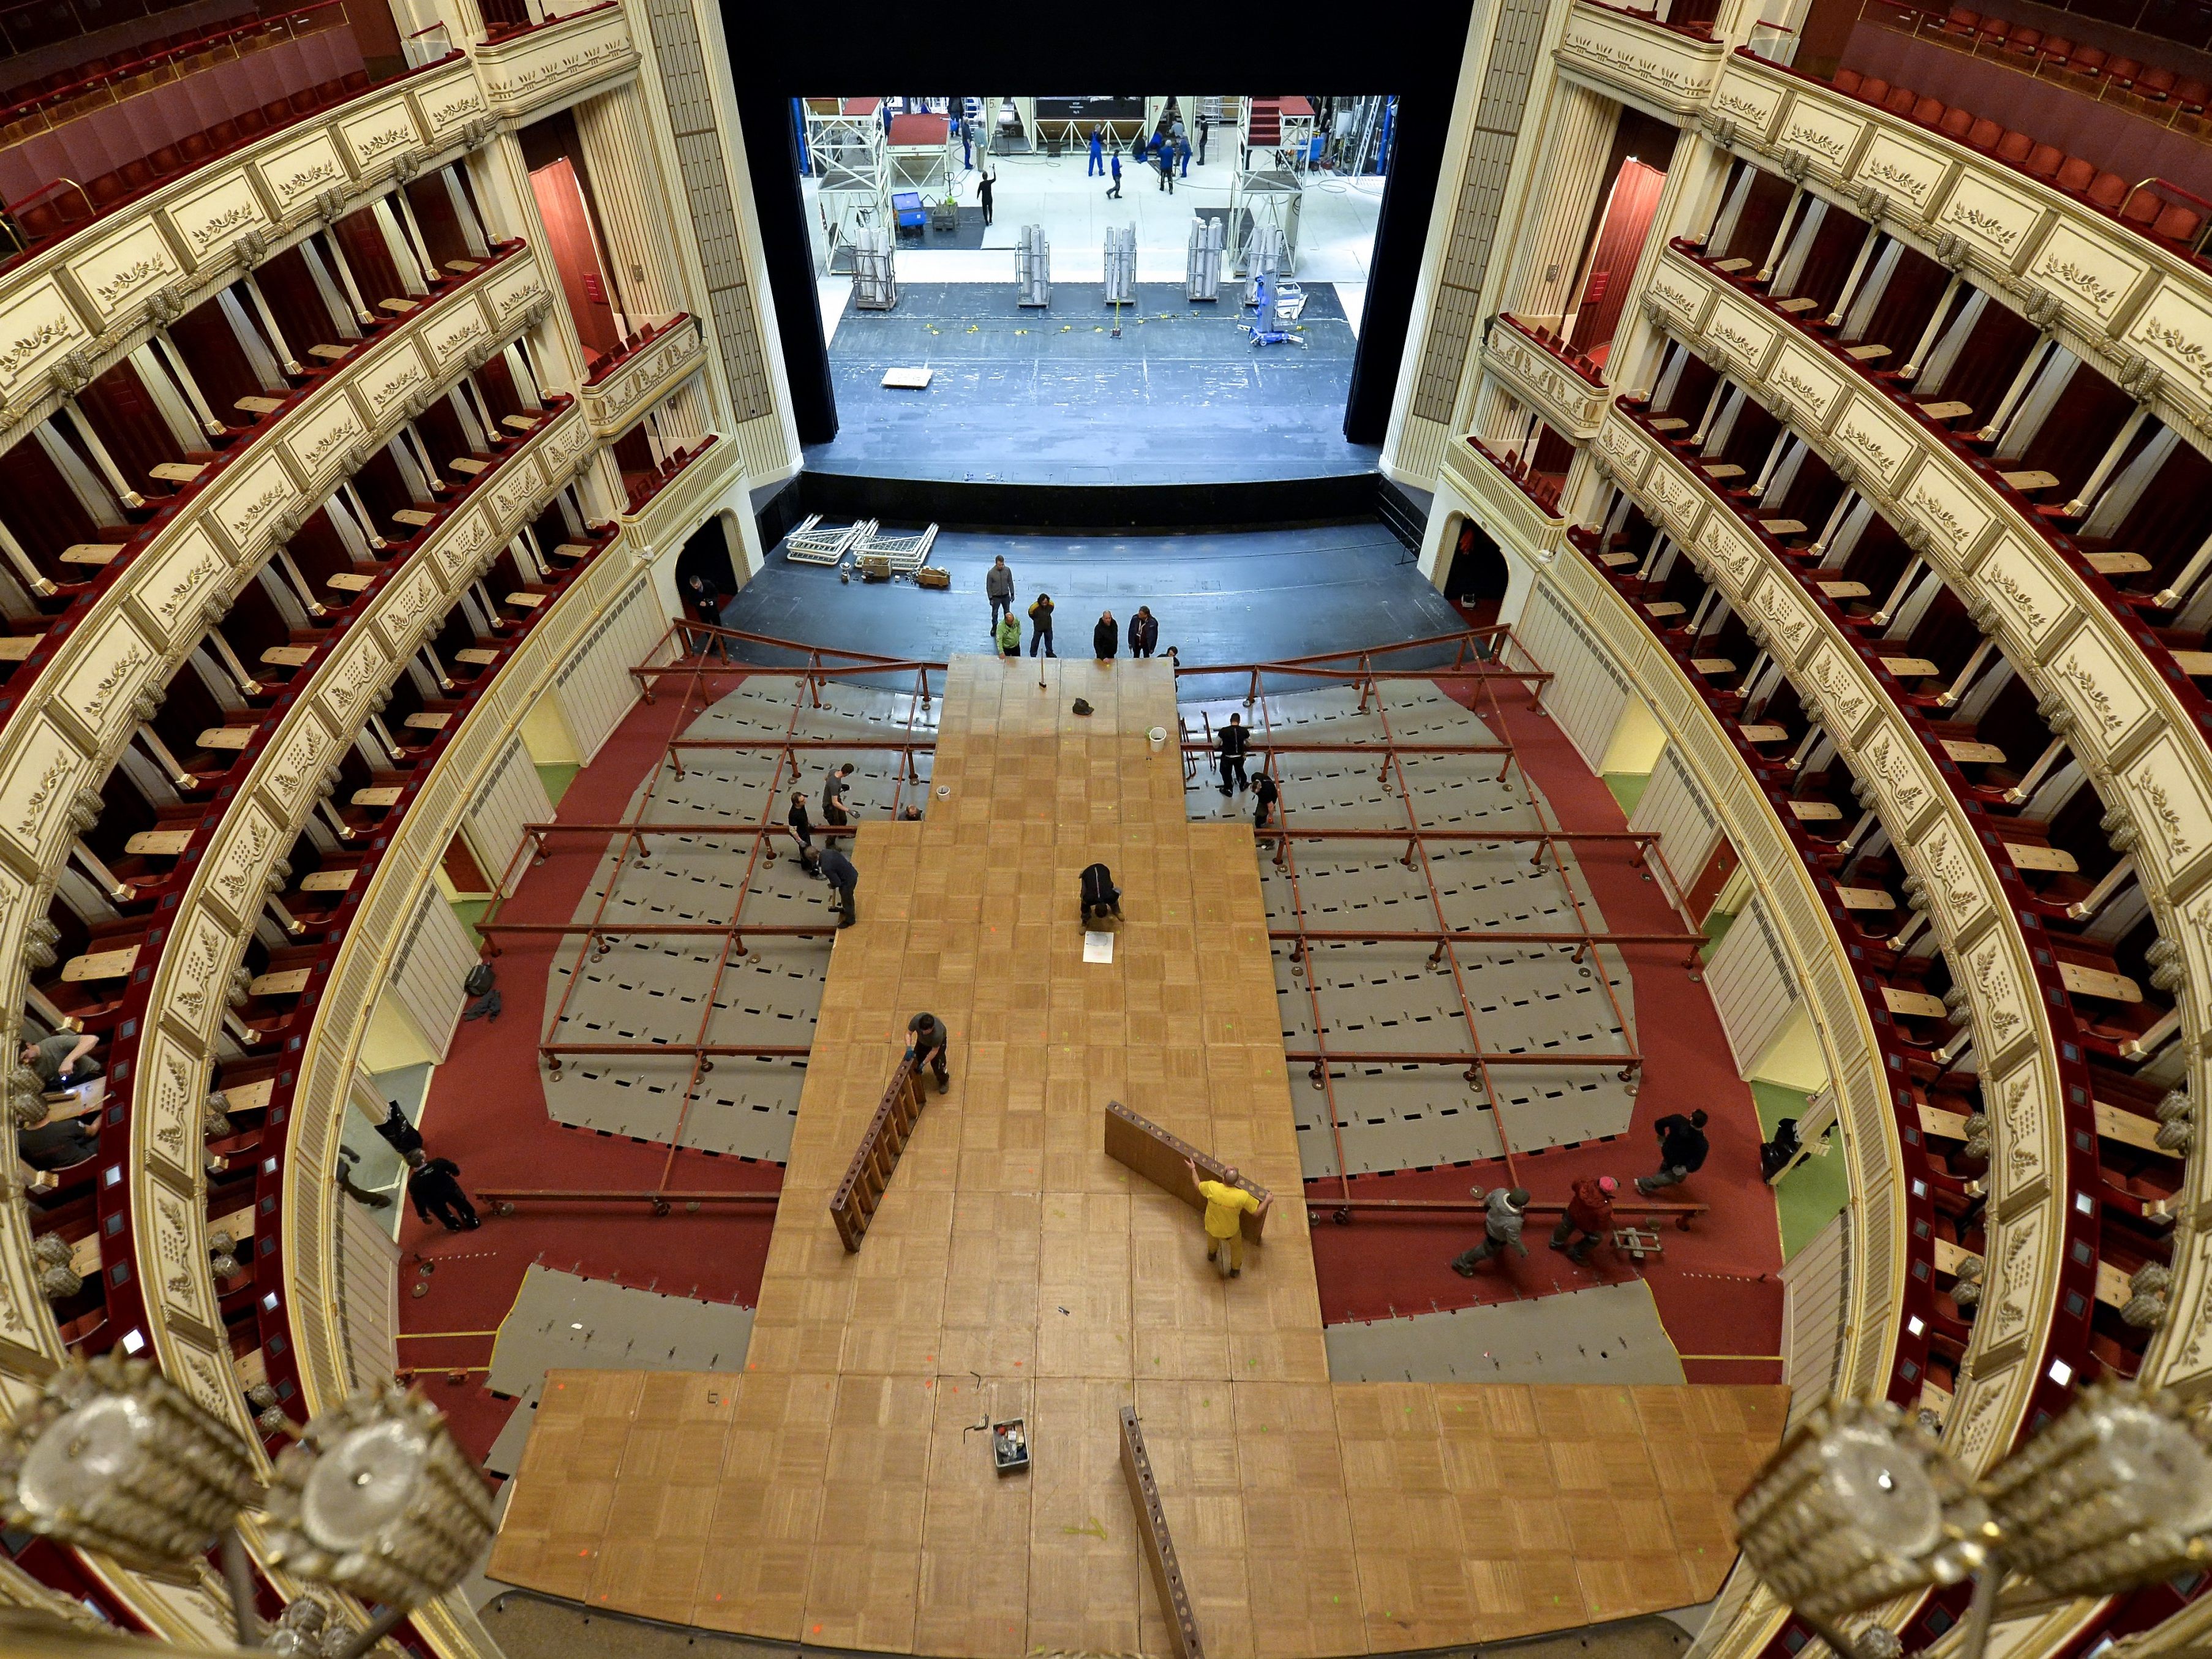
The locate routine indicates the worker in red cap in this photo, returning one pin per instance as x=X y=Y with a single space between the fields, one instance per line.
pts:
x=1590 y=1212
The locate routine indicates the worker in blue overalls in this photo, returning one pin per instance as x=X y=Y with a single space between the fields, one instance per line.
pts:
x=967 y=152
x=1116 y=191
x=1182 y=152
x=1097 y=155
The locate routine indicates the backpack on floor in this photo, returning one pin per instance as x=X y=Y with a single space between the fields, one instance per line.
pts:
x=479 y=980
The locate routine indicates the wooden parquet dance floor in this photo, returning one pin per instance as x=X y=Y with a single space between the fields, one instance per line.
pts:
x=840 y=1492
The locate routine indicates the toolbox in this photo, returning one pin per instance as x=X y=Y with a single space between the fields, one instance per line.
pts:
x=1009 y=1446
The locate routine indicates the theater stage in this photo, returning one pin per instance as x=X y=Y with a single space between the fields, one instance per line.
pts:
x=838 y=1490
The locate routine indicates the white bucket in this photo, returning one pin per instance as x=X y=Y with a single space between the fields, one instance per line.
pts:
x=1159 y=738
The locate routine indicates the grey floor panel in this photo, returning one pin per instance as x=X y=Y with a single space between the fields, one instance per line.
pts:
x=1606 y=1334
x=1384 y=998
x=648 y=988
x=561 y=1321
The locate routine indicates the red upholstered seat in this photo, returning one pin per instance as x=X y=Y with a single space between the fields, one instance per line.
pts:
x=2024 y=41
x=1847 y=80
x=2192 y=96
x=2122 y=71
x=2043 y=162
x=2015 y=148
x=1900 y=100
x=1962 y=22
x=1957 y=124
x=2075 y=175
x=2141 y=209
x=2055 y=49
x=1928 y=111
x=2155 y=83
x=1872 y=90
x=2107 y=190
x=2178 y=224
x=2086 y=60
x=1984 y=136
x=1993 y=33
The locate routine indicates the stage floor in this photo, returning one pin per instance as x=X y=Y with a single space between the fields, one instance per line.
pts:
x=1050 y=396
x=839 y=1490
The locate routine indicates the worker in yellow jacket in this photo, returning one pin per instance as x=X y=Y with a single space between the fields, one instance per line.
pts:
x=1227 y=1204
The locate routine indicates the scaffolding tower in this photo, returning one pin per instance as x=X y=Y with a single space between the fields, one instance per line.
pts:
x=846 y=145
x=1263 y=223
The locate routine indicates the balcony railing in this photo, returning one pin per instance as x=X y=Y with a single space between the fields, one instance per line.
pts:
x=1673 y=67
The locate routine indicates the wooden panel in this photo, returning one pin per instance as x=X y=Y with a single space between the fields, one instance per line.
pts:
x=1165 y=1160
x=1159 y=1548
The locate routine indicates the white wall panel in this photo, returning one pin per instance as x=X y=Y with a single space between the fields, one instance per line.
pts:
x=435 y=956
x=1676 y=808
x=1587 y=692
x=1752 y=985
x=511 y=796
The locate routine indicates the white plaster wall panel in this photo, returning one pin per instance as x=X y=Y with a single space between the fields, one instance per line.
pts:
x=1900 y=770
x=2004 y=1325
x=1624 y=450
x=1743 y=338
x=1782 y=609
x=1909 y=173
x=552 y=62
x=171 y=1238
x=2188 y=1343
x=1752 y=987
x=113 y=661
x=513 y=290
x=2092 y=274
x=252 y=494
x=435 y=955
x=445 y=110
x=1999 y=991
x=511 y=796
x=15 y=913
x=1680 y=501
x=2165 y=786
x=1586 y=693
x=1829 y=136
x=448 y=339
x=1838 y=686
x=194 y=969
x=122 y=266
x=1673 y=808
x=519 y=484
x=1995 y=220
x=462 y=541
x=2029 y=596
x=372 y=136
x=1752 y=105
x=2021 y=1104
x=1958 y=899
x=1955 y=517
x=243 y=849
x=301 y=754
x=368 y=1293
x=207 y=221
x=1975 y=1430
x=387 y=384
x=2175 y=330
x=172 y=1100
x=319 y=439
x=295 y=172
x=41 y=775
x=2112 y=705
x=1816 y=390
x=1877 y=441
x=406 y=609
x=37 y=326
x=1689 y=301
x=169 y=583
x=1722 y=543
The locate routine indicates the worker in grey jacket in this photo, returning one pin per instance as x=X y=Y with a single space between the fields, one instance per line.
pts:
x=998 y=588
x=1501 y=1226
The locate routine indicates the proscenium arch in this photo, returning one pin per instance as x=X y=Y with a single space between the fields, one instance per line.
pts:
x=1412 y=48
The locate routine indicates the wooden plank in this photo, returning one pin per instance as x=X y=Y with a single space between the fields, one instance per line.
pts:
x=159 y=843
x=1866 y=354
x=469 y=464
x=1865 y=898
x=1842 y=590
x=327 y=881
x=1667 y=423
x=397 y=307
x=1663 y=608
x=238 y=1222
x=2033 y=479
x=520 y=422
x=1951 y=1258
x=250 y=1097
x=287 y=983
x=415 y=516
x=2113 y=1287
x=573 y=551
x=1909 y=668
x=1723 y=470
x=1731 y=266
x=329 y=354
x=1815 y=812
x=177 y=472
x=84 y=1255
x=527 y=601
x=1918 y=1004
x=1710 y=665
x=1796 y=303
x=289 y=656
x=383 y=795
x=1153 y=1539
x=1946 y=409
x=1159 y=1157
x=1618 y=560
x=1783 y=526
x=90 y=553
x=17 y=647
x=422 y=721
x=2054 y=859
x=352 y=581
x=258 y=405
x=251 y=1370
x=1759 y=732
x=2088 y=981
x=475 y=656
x=2129 y=1128
x=227 y=737
x=1967 y=753
x=2195 y=663
x=1935 y=1121
x=100 y=965
x=2117 y=563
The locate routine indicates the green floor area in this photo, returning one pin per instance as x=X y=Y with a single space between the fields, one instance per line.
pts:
x=1627 y=789
x=1715 y=928
x=556 y=779
x=1814 y=1193
x=470 y=911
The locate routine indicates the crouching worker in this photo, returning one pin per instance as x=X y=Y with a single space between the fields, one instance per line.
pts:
x=1100 y=898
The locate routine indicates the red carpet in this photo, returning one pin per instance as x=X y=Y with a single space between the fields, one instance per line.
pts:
x=1715 y=1286
x=486 y=1111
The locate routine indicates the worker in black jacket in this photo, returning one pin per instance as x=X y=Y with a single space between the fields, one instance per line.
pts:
x=1100 y=898
x=1106 y=637
x=929 y=1039
x=1263 y=800
x=434 y=1185
x=1232 y=738
x=838 y=870
x=1144 y=632
x=802 y=831
x=1682 y=1148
